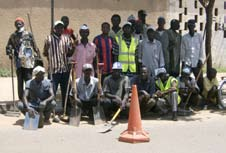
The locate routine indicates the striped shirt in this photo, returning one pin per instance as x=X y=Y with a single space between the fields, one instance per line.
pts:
x=57 y=53
x=104 y=45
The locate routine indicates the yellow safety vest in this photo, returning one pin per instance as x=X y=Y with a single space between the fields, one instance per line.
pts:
x=170 y=80
x=127 y=55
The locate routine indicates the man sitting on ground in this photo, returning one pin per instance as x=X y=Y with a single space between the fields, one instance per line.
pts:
x=167 y=92
x=87 y=90
x=38 y=95
x=146 y=88
x=210 y=89
x=188 y=85
x=116 y=90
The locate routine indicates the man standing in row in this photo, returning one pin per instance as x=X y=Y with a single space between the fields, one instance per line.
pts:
x=173 y=48
x=58 y=48
x=104 y=45
x=116 y=30
x=21 y=47
x=150 y=52
x=125 y=51
x=85 y=51
x=68 y=31
x=192 y=51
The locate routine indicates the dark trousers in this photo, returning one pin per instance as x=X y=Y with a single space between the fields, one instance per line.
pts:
x=193 y=101
x=23 y=75
x=195 y=71
x=87 y=107
x=62 y=79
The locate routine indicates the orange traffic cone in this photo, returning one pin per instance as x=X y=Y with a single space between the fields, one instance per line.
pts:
x=134 y=133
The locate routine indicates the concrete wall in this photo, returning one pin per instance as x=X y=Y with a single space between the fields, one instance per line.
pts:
x=93 y=13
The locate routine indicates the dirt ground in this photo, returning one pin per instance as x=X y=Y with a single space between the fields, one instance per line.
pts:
x=203 y=132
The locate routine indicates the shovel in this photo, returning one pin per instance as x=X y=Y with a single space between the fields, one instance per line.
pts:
x=98 y=112
x=110 y=125
x=75 y=116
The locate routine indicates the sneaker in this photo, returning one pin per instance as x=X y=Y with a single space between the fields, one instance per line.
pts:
x=56 y=119
x=220 y=107
x=205 y=107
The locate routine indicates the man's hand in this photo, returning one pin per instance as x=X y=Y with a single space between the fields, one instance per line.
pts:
x=159 y=93
x=43 y=103
x=118 y=100
x=172 y=89
x=31 y=112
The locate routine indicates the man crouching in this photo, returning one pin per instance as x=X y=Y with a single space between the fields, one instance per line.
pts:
x=38 y=96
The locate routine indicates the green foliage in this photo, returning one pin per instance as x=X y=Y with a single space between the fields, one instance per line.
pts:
x=5 y=72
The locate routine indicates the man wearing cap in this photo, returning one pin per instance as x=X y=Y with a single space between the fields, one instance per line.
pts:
x=168 y=98
x=58 y=48
x=104 y=45
x=187 y=85
x=87 y=90
x=125 y=51
x=150 y=52
x=146 y=89
x=173 y=48
x=116 y=90
x=85 y=51
x=38 y=95
x=192 y=51
x=22 y=48
x=116 y=30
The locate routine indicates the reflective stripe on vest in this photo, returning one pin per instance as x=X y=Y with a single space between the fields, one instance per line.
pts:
x=160 y=85
x=127 y=55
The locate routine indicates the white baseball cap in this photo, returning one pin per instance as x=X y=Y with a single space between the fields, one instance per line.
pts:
x=127 y=23
x=186 y=70
x=38 y=69
x=159 y=71
x=117 y=66
x=84 y=27
x=58 y=22
x=87 y=66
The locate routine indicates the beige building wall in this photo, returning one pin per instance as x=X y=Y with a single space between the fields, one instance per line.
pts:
x=93 y=13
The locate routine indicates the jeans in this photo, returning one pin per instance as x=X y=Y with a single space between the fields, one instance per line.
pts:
x=23 y=75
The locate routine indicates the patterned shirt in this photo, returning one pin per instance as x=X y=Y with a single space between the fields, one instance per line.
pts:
x=58 y=52
x=15 y=42
x=105 y=47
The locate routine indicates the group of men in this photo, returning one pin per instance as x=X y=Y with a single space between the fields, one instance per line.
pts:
x=135 y=53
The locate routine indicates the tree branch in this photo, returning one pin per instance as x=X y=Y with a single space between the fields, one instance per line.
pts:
x=203 y=3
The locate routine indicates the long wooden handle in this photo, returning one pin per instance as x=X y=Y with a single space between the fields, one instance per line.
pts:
x=115 y=115
x=74 y=79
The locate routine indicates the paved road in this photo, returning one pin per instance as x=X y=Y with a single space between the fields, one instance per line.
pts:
x=204 y=132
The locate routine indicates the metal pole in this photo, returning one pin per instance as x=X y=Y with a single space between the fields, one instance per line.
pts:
x=52 y=15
